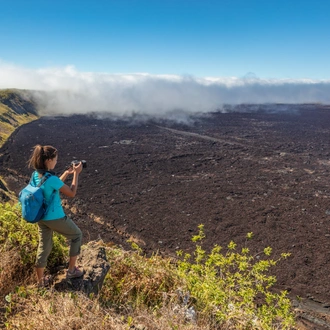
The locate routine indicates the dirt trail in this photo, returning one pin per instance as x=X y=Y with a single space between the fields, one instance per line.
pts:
x=200 y=136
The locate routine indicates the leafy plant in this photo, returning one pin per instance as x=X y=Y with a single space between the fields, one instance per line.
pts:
x=235 y=288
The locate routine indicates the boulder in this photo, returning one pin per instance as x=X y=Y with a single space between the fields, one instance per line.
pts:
x=94 y=262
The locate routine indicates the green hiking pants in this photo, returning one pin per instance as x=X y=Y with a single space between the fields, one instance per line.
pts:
x=64 y=226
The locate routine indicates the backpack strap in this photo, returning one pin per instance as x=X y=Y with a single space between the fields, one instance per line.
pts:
x=44 y=177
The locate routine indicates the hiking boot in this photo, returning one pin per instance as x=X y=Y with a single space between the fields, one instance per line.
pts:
x=76 y=273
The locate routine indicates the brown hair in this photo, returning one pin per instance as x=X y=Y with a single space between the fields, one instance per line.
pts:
x=40 y=154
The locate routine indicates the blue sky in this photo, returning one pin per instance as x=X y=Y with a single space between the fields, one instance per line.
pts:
x=226 y=38
x=157 y=57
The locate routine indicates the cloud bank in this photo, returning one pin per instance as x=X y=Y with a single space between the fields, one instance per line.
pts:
x=72 y=92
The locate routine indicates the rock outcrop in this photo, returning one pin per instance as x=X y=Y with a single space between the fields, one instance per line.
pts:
x=93 y=260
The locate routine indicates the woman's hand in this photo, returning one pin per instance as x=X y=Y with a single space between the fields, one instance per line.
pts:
x=77 y=168
x=72 y=190
x=69 y=170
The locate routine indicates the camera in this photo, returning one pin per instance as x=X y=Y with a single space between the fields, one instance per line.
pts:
x=75 y=162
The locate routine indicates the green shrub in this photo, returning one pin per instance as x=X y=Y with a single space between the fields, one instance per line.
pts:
x=228 y=290
x=234 y=288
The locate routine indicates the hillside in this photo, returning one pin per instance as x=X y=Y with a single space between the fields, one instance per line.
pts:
x=17 y=107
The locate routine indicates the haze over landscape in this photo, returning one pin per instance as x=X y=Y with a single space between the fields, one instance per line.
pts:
x=155 y=57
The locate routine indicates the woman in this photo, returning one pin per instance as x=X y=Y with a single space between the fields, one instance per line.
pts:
x=44 y=159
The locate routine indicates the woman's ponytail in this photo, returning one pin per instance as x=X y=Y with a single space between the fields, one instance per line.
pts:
x=40 y=154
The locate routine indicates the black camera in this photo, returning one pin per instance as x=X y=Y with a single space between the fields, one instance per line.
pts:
x=75 y=162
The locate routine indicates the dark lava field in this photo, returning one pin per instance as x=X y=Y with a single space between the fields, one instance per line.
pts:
x=154 y=182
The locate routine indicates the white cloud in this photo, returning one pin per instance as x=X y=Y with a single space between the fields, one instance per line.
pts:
x=123 y=94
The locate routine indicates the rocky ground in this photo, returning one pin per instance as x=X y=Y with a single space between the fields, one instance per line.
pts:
x=265 y=172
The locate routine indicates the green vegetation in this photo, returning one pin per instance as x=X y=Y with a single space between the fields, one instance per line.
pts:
x=234 y=288
x=219 y=290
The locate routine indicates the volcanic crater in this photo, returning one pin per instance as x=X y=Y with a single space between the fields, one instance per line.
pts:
x=154 y=182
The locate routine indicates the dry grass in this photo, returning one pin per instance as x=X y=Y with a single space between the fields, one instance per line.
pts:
x=52 y=310
x=135 y=280
x=13 y=272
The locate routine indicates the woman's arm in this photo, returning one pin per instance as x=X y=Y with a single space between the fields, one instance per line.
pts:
x=72 y=190
x=65 y=174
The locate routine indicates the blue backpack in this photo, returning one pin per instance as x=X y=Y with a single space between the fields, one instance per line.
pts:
x=32 y=200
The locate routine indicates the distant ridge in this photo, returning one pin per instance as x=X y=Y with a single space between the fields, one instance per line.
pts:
x=17 y=107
